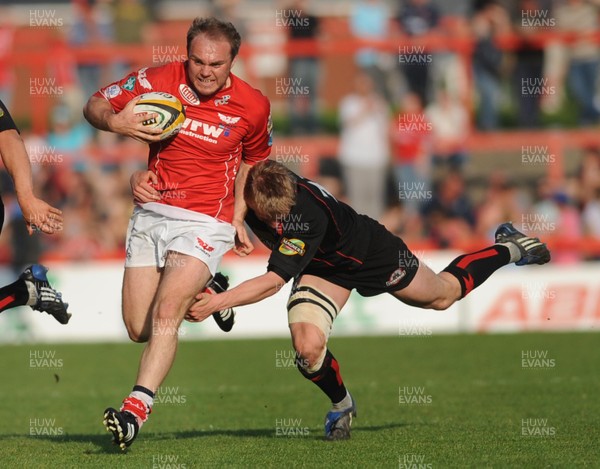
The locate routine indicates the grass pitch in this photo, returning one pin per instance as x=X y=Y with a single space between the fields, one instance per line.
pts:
x=527 y=400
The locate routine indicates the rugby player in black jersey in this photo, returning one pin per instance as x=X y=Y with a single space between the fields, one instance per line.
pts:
x=32 y=287
x=328 y=250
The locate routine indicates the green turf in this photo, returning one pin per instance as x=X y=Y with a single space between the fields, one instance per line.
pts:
x=224 y=403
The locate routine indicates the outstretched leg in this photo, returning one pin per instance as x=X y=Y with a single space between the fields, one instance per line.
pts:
x=466 y=272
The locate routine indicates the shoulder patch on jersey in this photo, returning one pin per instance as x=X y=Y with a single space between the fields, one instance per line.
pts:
x=129 y=84
x=396 y=276
x=111 y=91
x=292 y=247
x=228 y=119
x=222 y=100
x=143 y=79
x=188 y=94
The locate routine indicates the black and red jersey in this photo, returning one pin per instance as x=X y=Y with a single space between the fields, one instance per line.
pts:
x=219 y=132
x=320 y=235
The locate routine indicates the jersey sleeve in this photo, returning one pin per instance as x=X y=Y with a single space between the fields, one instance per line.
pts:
x=295 y=250
x=260 y=229
x=257 y=144
x=6 y=120
x=119 y=93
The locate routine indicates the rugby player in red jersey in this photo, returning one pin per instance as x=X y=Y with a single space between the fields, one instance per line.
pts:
x=186 y=216
x=329 y=250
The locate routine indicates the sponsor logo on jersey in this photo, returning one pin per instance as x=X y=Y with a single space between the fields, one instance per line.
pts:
x=129 y=84
x=112 y=91
x=228 y=119
x=222 y=100
x=201 y=130
x=226 y=130
x=396 y=276
x=188 y=94
x=292 y=247
x=142 y=78
x=204 y=246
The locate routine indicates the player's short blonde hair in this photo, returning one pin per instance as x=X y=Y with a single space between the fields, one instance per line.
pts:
x=270 y=190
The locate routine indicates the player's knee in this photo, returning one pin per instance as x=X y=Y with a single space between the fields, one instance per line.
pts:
x=166 y=310
x=442 y=303
x=137 y=331
x=137 y=335
x=310 y=315
x=310 y=345
x=448 y=291
x=310 y=353
x=166 y=318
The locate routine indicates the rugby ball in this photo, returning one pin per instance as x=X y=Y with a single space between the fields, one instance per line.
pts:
x=169 y=111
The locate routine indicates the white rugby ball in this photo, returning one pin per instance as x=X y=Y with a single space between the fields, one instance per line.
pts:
x=169 y=111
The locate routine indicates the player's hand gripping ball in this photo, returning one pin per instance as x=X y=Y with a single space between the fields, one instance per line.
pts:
x=169 y=111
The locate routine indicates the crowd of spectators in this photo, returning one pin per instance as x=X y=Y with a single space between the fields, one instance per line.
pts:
x=403 y=124
x=520 y=78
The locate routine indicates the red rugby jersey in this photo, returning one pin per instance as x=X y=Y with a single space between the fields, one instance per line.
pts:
x=196 y=169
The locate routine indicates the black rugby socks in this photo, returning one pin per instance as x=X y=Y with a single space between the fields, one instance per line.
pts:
x=473 y=269
x=327 y=377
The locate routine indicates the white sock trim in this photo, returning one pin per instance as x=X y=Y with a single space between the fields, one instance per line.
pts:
x=32 y=293
x=142 y=396
x=515 y=252
x=344 y=404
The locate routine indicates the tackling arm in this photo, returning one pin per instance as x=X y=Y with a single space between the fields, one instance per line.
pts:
x=240 y=208
x=243 y=245
x=248 y=292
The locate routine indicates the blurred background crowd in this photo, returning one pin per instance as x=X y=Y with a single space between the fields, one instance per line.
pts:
x=440 y=119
